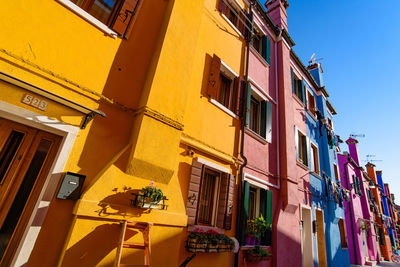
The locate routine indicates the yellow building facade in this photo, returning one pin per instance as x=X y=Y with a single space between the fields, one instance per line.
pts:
x=123 y=108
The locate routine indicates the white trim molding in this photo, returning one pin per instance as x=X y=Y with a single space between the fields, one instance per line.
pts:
x=213 y=165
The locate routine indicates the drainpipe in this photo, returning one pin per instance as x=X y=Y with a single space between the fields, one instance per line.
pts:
x=350 y=210
x=243 y=125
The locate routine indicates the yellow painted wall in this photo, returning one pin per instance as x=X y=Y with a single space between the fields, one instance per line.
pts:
x=149 y=86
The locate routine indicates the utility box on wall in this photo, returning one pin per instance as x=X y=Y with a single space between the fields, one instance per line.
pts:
x=71 y=186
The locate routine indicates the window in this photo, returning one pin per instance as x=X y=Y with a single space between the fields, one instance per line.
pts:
x=234 y=14
x=311 y=105
x=298 y=87
x=257 y=202
x=259 y=115
x=223 y=85
x=336 y=171
x=314 y=159
x=262 y=44
x=343 y=234
x=210 y=196
x=302 y=148
x=118 y=15
x=357 y=185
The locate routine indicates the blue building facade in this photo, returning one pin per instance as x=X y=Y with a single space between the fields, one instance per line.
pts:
x=385 y=207
x=327 y=201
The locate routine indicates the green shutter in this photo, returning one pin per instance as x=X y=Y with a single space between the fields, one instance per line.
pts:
x=263 y=126
x=269 y=122
x=248 y=104
x=268 y=55
x=293 y=81
x=268 y=217
x=264 y=41
x=263 y=203
x=303 y=92
x=244 y=213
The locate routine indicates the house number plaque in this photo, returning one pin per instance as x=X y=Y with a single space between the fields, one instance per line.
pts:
x=34 y=102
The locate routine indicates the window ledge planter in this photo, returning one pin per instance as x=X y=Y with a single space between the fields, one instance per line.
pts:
x=210 y=241
x=140 y=201
x=257 y=254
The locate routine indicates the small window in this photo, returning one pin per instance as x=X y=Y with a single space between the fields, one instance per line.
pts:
x=314 y=159
x=298 y=87
x=343 y=234
x=262 y=44
x=118 y=15
x=259 y=115
x=207 y=197
x=311 y=105
x=225 y=91
x=336 y=171
x=255 y=115
x=256 y=42
x=210 y=197
x=235 y=15
x=253 y=211
x=302 y=148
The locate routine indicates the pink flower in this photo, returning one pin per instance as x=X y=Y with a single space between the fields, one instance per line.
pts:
x=151 y=183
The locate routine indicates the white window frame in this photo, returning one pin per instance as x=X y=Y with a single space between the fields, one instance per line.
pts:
x=297 y=131
x=312 y=158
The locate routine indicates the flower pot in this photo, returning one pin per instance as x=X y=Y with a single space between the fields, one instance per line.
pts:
x=147 y=203
x=250 y=240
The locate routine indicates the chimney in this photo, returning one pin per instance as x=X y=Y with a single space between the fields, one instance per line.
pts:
x=276 y=9
x=316 y=71
x=352 y=143
x=371 y=172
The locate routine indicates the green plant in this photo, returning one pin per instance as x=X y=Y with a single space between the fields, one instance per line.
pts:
x=257 y=251
x=257 y=227
x=364 y=226
x=152 y=192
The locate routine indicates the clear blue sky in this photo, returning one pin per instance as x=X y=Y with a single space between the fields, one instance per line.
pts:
x=359 y=42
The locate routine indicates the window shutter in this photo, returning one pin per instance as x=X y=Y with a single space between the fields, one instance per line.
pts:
x=235 y=97
x=229 y=206
x=213 y=79
x=244 y=213
x=241 y=91
x=193 y=192
x=122 y=23
x=269 y=122
x=248 y=104
x=293 y=81
x=297 y=143
x=249 y=24
x=264 y=47
x=263 y=126
x=222 y=6
x=268 y=217
x=268 y=53
x=222 y=200
x=303 y=92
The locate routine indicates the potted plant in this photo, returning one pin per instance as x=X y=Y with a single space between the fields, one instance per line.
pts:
x=210 y=241
x=257 y=254
x=256 y=228
x=150 y=197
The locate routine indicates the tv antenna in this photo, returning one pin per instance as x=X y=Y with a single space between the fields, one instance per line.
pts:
x=369 y=158
x=354 y=135
x=313 y=59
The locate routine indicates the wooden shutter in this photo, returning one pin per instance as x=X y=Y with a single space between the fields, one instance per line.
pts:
x=126 y=15
x=263 y=126
x=222 y=6
x=248 y=104
x=268 y=56
x=222 y=200
x=213 y=78
x=303 y=92
x=249 y=23
x=242 y=89
x=229 y=206
x=293 y=81
x=266 y=212
x=266 y=48
x=268 y=115
x=244 y=213
x=235 y=97
x=193 y=192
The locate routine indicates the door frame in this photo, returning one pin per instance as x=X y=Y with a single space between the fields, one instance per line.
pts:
x=310 y=237
x=68 y=133
x=323 y=241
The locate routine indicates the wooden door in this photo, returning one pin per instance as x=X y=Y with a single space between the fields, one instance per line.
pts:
x=26 y=156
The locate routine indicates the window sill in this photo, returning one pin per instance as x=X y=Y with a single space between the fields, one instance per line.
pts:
x=233 y=26
x=82 y=13
x=316 y=175
x=215 y=102
x=262 y=60
x=256 y=136
x=248 y=247
x=300 y=164
x=314 y=117
x=297 y=99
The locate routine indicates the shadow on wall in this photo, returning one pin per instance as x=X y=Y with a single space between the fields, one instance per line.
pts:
x=98 y=248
